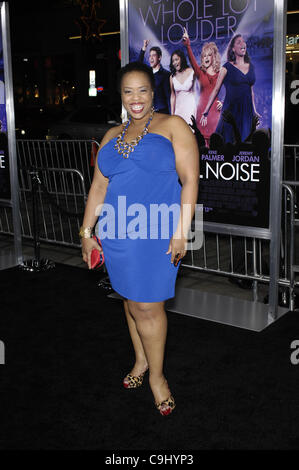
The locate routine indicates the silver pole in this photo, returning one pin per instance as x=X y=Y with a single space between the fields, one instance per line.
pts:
x=124 y=35
x=124 y=40
x=290 y=272
x=14 y=185
x=278 y=104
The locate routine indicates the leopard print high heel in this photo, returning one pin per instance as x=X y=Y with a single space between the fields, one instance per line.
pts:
x=169 y=402
x=134 y=381
x=170 y=406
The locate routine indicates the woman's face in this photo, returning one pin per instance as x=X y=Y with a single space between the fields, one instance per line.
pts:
x=137 y=94
x=176 y=62
x=207 y=58
x=239 y=47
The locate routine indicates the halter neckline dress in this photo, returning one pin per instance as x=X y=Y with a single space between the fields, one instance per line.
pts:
x=135 y=234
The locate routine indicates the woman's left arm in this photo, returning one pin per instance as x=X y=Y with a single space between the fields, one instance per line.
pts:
x=187 y=166
x=172 y=96
x=253 y=103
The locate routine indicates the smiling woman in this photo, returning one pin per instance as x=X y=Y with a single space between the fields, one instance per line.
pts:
x=141 y=162
x=182 y=81
x=207 y=74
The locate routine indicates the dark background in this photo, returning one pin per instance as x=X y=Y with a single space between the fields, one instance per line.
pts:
x=40 y=32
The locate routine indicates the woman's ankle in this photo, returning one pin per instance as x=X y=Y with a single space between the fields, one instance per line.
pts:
x=141 y=361
x=157 y=379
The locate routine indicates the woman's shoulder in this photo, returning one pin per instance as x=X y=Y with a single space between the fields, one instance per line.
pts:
x=114 y=131
x=111 y=134
x=162 y=119
x=171 y=126
x=166 y=122
x=170 y=123
x=225 y=69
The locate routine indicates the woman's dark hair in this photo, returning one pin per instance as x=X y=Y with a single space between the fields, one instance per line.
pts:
x=135 y=67
x=184 y=64
x=231 y=56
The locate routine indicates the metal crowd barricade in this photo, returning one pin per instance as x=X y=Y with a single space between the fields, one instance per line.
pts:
x=6 y=222
x=232 y=256
x=66 y=169
x=61 y=200
x=247 y=258
x=78 y=154
x=292 y=221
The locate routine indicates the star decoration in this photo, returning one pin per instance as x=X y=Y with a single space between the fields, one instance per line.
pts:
x=93 y=24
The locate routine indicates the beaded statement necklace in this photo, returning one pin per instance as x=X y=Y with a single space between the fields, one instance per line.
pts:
x=125 y=148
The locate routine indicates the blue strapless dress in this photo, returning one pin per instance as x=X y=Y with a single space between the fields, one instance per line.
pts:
x=134 y=238
x=238 y=100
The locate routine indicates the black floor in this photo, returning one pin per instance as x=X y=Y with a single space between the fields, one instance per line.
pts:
x=67 y=349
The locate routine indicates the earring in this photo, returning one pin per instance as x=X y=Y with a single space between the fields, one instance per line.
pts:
x=125 y=116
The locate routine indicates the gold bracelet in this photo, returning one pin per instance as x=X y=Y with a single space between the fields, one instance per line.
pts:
x=85 y=232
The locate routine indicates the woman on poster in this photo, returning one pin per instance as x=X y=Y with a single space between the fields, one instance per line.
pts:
x=207 y=74
x=182 y=81
x=143 y=161
x=238 y=77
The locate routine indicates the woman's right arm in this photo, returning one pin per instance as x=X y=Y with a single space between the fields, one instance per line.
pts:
x=221 y=76
x=96 y=197
x=172 y=97
x=195 y=66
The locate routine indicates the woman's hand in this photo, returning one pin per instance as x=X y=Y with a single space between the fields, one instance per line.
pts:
x=203 y=120
x=193 y=125
x=177 y=248
x=257 y=118
x=219 y=105
x=88 y=244
x=186 y=39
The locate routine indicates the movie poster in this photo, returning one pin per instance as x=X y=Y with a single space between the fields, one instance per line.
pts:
x=213 y=65
x=4 y=158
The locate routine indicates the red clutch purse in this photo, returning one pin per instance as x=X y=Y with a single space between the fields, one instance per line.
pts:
x=97 y=259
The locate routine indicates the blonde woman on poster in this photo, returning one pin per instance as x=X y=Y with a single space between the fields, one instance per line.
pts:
x=207 y=73
x=182 y=81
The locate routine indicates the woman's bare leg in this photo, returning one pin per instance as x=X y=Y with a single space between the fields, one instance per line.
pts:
x=151 y=325
x=141 y=363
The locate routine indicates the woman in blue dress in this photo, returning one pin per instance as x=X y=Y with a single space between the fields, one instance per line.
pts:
x=139 y=164
x=238 y=77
